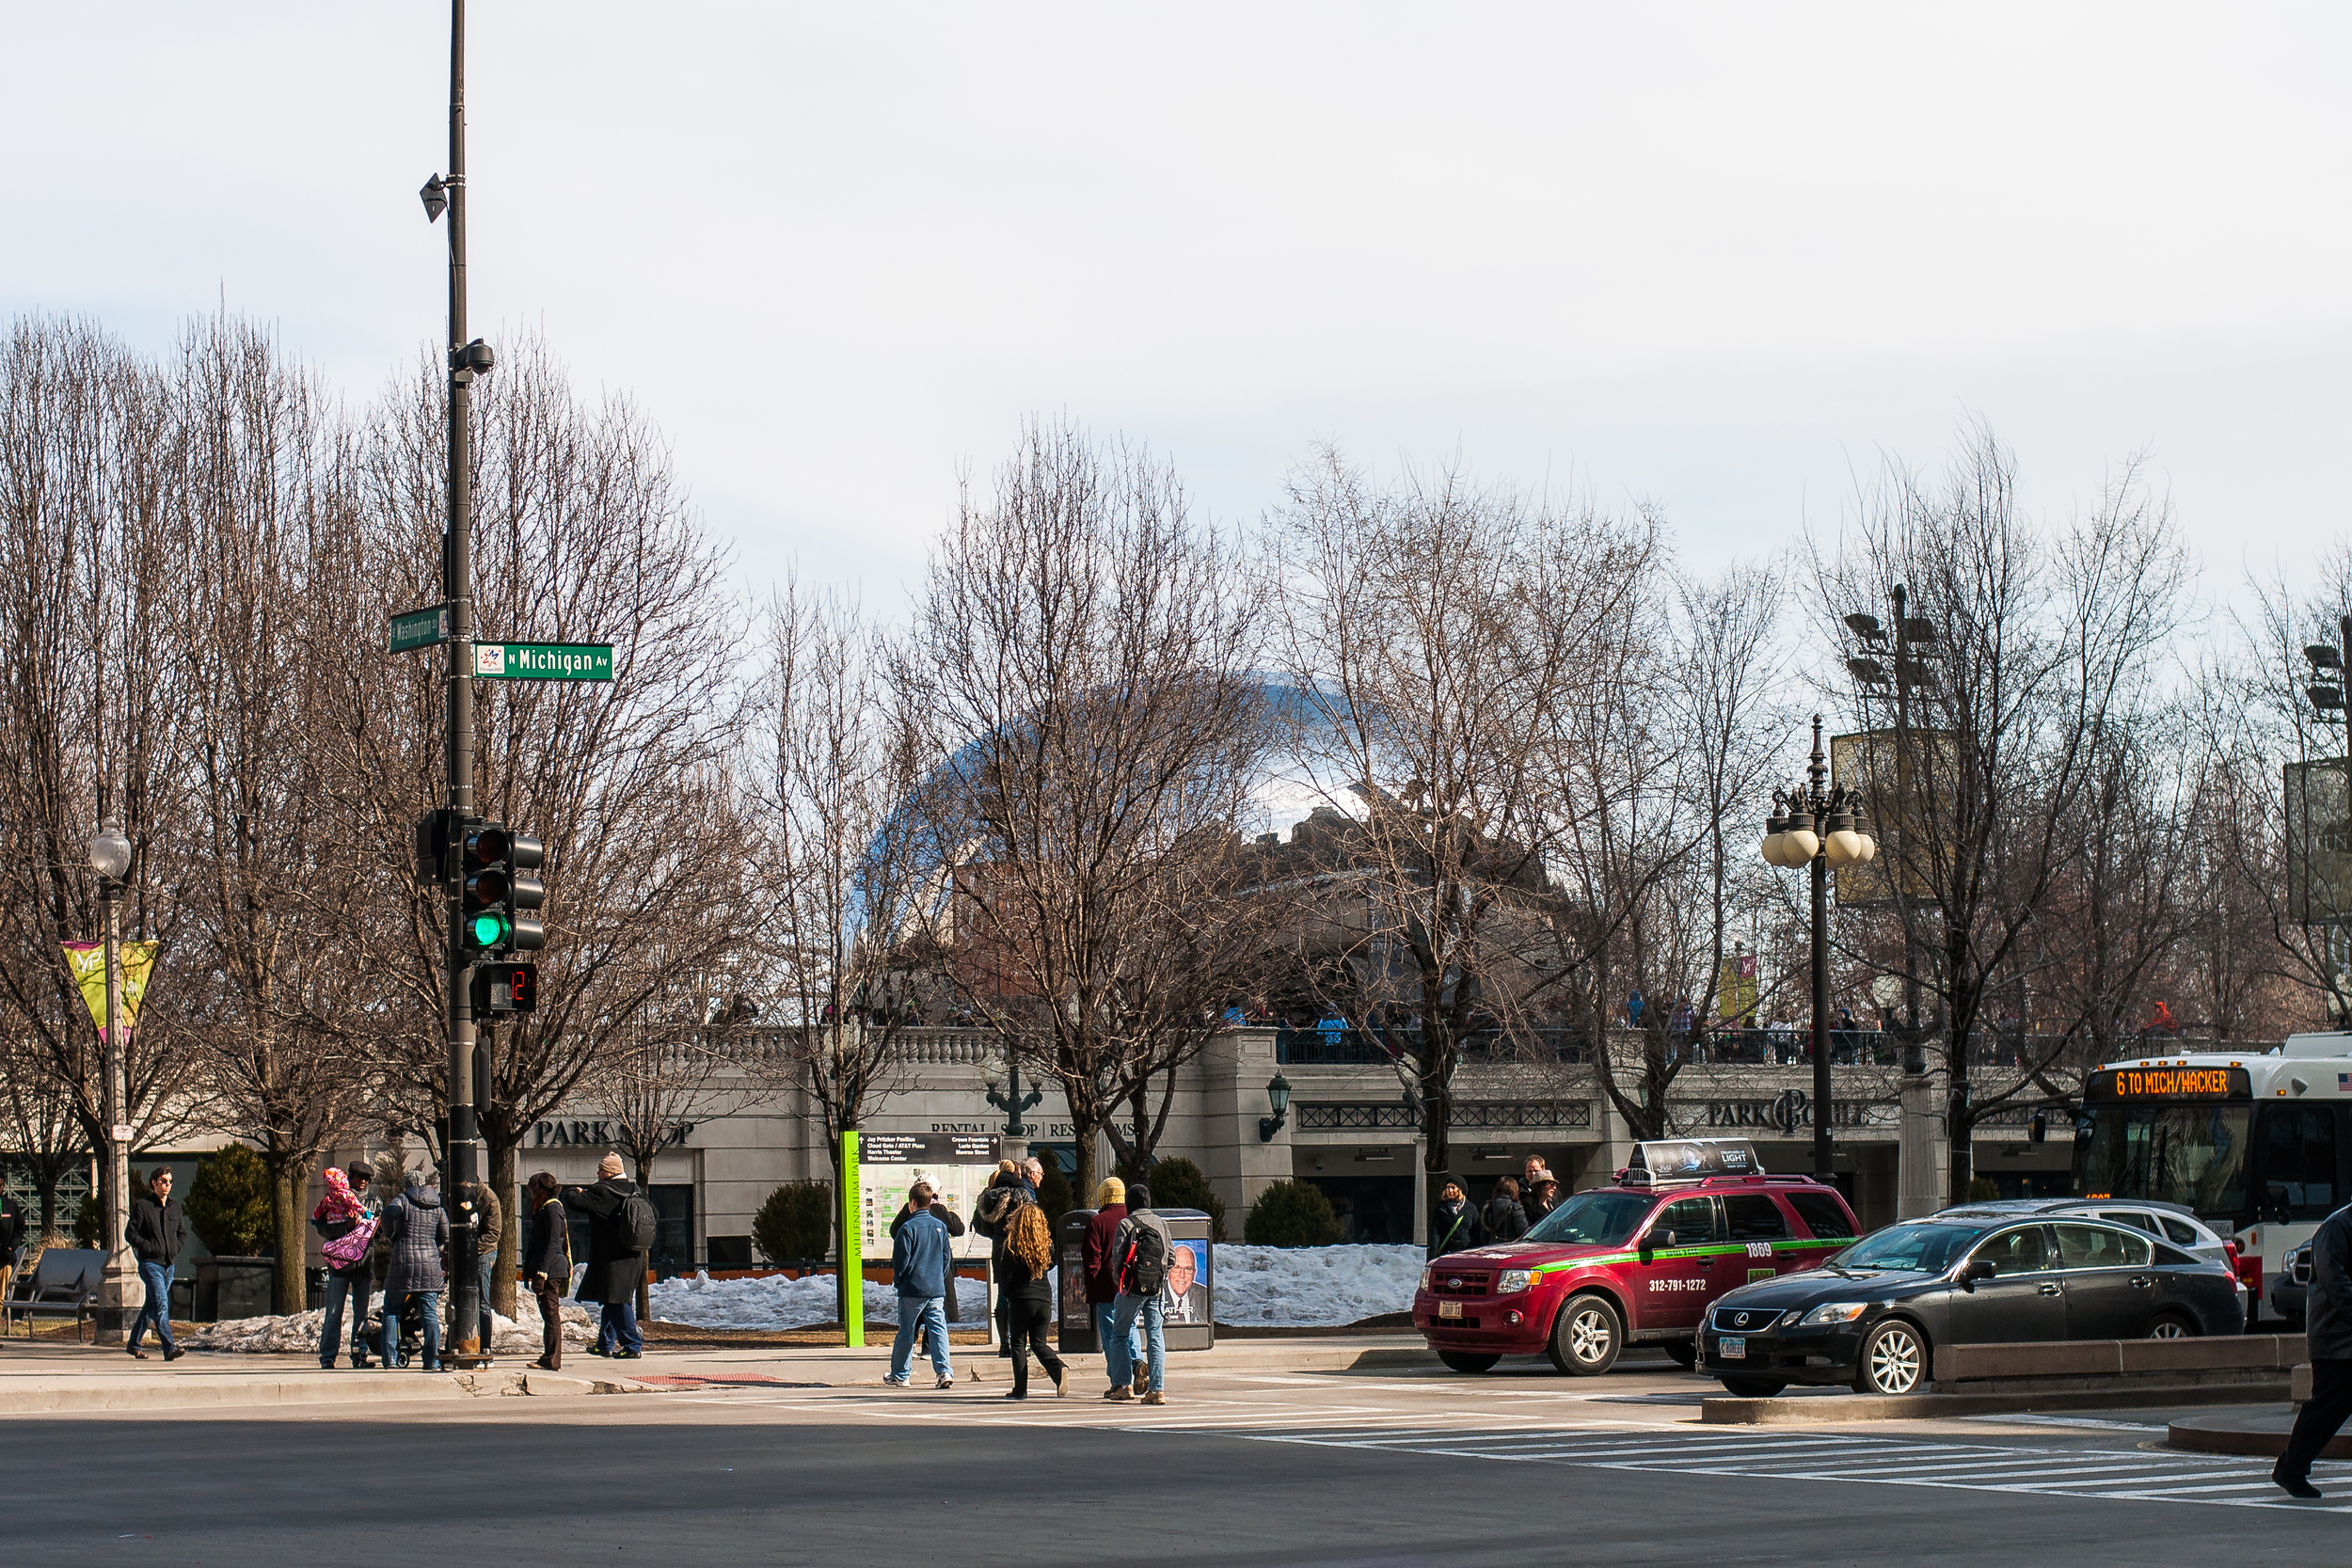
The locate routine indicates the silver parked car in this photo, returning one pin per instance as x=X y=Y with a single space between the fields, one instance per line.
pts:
x=2168 y=1222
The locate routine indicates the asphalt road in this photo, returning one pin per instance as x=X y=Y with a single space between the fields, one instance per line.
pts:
x=1391 y=1469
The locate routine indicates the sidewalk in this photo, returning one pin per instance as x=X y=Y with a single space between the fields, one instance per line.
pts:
x=47 y=1378
x=36 y=1378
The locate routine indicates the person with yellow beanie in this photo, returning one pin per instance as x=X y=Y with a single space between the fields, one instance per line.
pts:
x=1121 y=1351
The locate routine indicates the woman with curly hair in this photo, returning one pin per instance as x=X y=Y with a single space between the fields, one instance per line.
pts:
x=1022 y=1266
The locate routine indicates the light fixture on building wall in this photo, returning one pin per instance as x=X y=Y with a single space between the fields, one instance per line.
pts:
x=1277 y=1094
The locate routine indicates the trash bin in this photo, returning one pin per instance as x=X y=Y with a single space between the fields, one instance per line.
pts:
x=1077 y=1318
x=1188 y=1302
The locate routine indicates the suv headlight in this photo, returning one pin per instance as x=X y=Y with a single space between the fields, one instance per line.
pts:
x=1429 y=1278
x=1836 y=1312
x=1513 y=1280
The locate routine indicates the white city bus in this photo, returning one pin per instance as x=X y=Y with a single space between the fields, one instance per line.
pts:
x=2258 y=1146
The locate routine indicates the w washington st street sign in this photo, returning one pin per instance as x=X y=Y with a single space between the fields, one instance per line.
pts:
x=543 y=661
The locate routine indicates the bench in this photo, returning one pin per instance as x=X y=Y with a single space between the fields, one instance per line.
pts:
x=64 y=1283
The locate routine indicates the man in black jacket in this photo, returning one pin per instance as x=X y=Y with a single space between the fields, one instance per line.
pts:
x=2327 y=1327
x=616 y=1267
x=155 y=1233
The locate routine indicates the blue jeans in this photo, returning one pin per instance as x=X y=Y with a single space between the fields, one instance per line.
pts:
x=924 y=1317
x=1121 y=1351
x=489 y=1316
x=618 y=1331
x=1155 y=1330
x=393 y=1310
x=340 y=1286
x=157 y=1278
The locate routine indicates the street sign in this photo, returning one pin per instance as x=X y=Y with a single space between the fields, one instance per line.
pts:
x=420 y=628
x=543 y=661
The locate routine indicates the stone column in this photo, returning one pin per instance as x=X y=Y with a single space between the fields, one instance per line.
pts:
x=1234 y=1071
x=1922 y=1158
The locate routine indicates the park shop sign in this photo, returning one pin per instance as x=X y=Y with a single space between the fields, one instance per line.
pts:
x=1789 y=1112
x=597 y=1135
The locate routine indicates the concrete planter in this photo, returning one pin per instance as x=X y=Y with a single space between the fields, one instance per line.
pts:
x=234 y=1287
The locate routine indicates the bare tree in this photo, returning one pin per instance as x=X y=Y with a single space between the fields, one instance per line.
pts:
x=89 y=552
x=1655 y=871
x=1080 y=667
x=1451 y=644
x=268 y=860
x=851 y=872
x=2047 y=654
x=583 y=534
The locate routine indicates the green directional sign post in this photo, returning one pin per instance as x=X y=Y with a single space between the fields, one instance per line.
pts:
x=543 y=661
x=420 y=628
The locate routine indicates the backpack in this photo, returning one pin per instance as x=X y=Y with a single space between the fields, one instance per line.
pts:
x=640 y=1221
x=1144 y=1269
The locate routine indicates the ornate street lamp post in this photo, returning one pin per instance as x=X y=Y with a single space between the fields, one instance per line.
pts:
x=1817 y=825
x=120 y=1292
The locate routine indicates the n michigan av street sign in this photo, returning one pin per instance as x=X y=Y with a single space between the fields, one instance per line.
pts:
x=543 y=661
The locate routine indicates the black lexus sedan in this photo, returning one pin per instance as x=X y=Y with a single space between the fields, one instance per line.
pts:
x=1871 y=1316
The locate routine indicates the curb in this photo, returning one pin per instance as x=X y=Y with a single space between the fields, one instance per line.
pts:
x=1822 y=1409
x=2262 y=1434
x=212 y=1393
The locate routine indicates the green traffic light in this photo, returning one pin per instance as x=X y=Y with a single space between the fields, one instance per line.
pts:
x=490 y=928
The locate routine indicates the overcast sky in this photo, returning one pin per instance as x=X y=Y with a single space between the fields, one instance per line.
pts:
x=1717 y=259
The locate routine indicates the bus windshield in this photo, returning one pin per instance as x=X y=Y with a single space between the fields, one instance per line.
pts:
x=2189 y=1155
x=1600 y=1216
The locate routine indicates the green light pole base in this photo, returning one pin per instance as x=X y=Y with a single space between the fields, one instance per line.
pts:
x=852 y=1247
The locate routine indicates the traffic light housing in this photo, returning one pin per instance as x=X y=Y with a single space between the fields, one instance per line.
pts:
x=500 y=893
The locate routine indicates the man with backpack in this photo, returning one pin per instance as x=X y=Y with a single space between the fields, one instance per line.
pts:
x=622 y=1226
x=1142 y=1249
x=920 y=1263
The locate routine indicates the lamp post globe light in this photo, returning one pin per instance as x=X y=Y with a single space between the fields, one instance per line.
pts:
x=120 y=1292
x=1820 y=826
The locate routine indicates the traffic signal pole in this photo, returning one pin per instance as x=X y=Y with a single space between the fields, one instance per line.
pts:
x=461 y=1146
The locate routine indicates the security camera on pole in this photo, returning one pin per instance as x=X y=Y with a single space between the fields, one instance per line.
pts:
x=1820 y=826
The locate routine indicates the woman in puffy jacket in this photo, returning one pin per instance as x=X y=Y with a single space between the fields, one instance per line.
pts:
x=418 y=1228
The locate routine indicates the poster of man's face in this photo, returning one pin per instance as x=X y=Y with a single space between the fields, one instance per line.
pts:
x=1185 y=1297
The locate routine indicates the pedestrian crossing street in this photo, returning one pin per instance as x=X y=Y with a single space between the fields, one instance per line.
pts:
x=2115 y=1471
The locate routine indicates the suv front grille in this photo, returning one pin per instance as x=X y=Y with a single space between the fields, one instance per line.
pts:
x=1459 y=1282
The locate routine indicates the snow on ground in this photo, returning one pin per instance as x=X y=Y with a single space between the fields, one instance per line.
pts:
x=1314 y=1287
x=1290 y=1287
x=515 y=1336
x=775 y=1302
x=1256 y=1286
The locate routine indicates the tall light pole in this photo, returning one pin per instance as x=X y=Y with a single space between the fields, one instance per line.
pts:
x=2326 y=690
x=1817 y=825
x=467 y=359
x=120 y=1295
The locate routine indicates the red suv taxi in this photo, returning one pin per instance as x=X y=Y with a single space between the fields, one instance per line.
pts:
x=1634 y=1263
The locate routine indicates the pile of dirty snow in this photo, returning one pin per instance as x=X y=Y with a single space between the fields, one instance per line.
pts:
x=775 y=1302
x=1256 y=1286
x=299 y=1332
x=1315 y=1286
